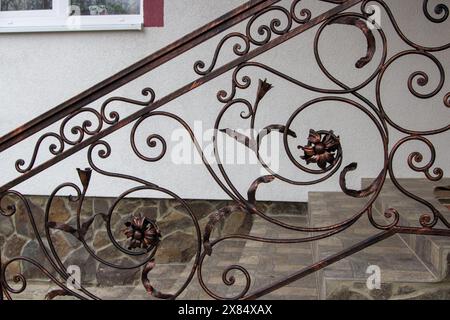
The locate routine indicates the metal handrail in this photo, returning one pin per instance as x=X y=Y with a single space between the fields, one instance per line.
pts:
x=134 y=71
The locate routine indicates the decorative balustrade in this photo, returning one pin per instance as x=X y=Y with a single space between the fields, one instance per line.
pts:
x=320 y=155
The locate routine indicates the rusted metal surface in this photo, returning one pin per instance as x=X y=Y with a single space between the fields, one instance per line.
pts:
x=320 y=155
x=142 y=232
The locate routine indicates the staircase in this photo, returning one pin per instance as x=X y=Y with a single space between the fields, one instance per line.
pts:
x=412 y=266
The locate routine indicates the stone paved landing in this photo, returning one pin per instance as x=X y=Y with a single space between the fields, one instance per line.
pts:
x=266 y=263
x=163 y=277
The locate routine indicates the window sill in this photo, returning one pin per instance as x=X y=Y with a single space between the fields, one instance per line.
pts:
x=65 y=28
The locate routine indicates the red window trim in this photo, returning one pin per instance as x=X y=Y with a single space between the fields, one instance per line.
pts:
x=153 y=13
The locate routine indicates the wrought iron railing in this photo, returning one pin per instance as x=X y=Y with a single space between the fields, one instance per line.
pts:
x=320 y=155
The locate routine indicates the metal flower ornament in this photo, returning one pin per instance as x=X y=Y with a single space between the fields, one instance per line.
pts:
x=321 y=149
x=142 y=232
x=263 y=88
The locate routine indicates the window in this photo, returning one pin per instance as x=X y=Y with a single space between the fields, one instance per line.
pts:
x=106 y=7
x=11 y=5
x=67 y=15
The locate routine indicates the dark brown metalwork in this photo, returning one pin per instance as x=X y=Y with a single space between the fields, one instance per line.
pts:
x=142 y=232
x=323 y=148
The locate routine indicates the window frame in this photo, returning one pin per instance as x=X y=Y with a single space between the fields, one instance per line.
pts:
x=58 y=19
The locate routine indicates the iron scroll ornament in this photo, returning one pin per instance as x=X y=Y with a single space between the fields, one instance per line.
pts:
x=321 y=157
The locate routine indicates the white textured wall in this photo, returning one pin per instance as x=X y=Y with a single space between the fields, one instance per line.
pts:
x=39 y=71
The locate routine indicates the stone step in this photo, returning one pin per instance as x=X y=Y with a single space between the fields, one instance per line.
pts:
x=399 y=265
x=266 y=264
x=432 y=250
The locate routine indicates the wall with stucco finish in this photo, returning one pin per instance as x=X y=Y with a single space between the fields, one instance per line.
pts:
x=39 y=71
